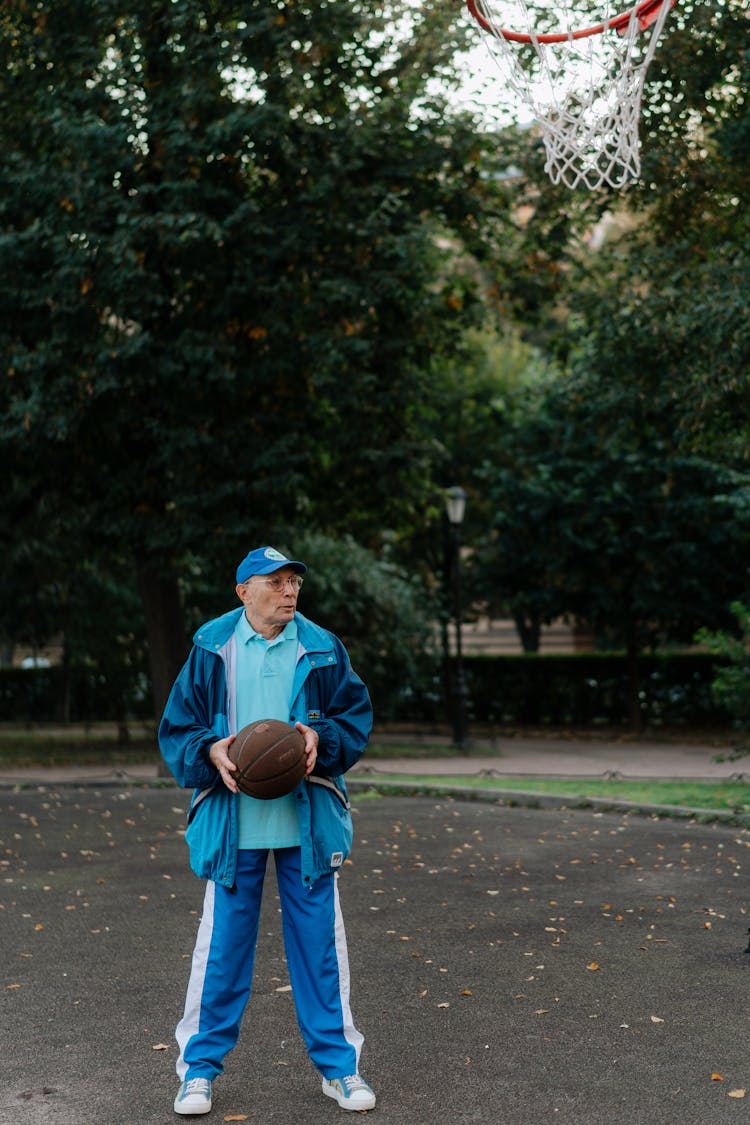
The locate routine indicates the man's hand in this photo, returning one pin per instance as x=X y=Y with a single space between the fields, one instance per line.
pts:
x=219 y=757
x=311 y=746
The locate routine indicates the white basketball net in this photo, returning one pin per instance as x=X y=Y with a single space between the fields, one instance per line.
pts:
x=585 y=92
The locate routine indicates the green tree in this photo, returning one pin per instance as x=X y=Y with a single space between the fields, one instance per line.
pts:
x=646 y=438
x=387 y=620
x=601 y=515
x=223 y=286
x=664 y=304
x=731 y=686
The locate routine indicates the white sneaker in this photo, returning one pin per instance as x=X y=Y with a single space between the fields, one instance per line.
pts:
x=351 y=1092
x=194 y=1096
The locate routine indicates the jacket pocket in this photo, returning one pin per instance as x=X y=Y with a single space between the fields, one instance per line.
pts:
x=331 y=824
x=208 y=832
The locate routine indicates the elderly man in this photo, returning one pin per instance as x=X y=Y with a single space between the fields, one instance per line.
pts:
x=264 y=660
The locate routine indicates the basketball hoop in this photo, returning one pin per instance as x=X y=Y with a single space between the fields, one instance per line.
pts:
x=582 y=81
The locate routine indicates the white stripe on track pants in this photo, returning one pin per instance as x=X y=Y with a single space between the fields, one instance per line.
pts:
x=224 y=955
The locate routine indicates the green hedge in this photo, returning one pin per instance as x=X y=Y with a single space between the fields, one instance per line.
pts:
x=78 y=695
x=585 y=689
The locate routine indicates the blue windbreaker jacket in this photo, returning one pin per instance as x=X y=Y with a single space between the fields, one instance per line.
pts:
x=327 y=696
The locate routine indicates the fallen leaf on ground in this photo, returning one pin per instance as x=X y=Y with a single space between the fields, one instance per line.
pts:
x=736 y=1093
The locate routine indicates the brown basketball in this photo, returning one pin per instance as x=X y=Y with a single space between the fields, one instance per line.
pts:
x=270 y=758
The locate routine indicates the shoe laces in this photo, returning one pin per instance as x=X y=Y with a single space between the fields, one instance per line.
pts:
x=353 y=1082
x=196 y=1086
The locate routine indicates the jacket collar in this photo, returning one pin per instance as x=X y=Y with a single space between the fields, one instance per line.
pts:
x=215 y=634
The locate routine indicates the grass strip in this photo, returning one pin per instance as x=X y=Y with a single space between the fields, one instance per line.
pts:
x=731 y=796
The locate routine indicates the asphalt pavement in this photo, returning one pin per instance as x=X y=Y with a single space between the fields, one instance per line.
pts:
x=509 y=964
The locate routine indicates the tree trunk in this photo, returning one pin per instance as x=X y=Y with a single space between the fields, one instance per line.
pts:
x=529 y=632
x=165 y=630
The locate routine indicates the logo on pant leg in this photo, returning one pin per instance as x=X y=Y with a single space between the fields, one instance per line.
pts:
x=337 y=858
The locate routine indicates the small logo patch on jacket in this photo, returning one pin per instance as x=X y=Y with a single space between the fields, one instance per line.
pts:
x=337 y=858
x=313 y=715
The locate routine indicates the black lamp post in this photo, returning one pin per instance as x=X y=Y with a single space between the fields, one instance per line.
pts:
x=455 y=505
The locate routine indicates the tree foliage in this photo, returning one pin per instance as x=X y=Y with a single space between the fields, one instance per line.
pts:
x=731 y=686
x=664 y=305
x=622 y=487
x=387 y=620
x=224 y=290
x=251 y=262
x=600 y=515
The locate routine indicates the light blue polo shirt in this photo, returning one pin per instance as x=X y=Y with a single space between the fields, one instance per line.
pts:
x=264 y=682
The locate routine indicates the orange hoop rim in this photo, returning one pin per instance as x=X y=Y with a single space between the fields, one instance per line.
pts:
x=645 y=12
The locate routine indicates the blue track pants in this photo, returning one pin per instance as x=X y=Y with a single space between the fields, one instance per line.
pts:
x=224 y=955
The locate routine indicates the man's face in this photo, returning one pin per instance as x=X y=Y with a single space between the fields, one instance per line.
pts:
x=270 y=600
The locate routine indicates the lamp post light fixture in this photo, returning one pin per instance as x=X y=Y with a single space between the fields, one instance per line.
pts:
x=455 y=506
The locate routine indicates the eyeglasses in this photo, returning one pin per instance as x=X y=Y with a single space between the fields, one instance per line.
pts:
x=277 y=583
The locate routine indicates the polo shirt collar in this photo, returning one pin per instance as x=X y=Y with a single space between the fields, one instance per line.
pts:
x=246 y=633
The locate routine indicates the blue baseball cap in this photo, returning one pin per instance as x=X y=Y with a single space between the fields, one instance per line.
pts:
x=265 y=560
